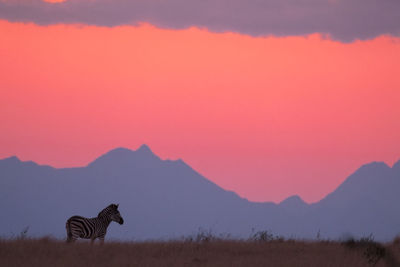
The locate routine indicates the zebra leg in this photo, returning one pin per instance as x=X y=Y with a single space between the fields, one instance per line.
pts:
x=71 y=240
x=101 y=238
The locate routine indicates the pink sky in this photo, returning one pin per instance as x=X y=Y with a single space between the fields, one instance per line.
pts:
x=265 y=117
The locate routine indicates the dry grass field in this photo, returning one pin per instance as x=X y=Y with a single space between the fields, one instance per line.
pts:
x=48 y=252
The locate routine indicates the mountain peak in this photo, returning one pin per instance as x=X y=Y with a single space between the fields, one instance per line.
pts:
x=10 y=160
x=125 y=156
x=375 y=167
x=144 y=148
x=292 y=202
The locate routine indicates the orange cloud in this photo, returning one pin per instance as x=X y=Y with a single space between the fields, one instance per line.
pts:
x=265 y=117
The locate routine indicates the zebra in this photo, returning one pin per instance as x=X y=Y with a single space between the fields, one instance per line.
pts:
x=92 y=228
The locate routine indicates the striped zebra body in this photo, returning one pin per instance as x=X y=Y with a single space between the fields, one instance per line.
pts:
x=92 y=228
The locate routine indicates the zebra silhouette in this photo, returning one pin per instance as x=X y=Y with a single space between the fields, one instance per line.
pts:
x=92 y=228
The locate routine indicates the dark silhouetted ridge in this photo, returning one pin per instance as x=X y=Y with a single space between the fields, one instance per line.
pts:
x=11 y=159
x=374 y=166
x=144 y=149
x=123 y=156
x=14 y=161
x=293 y=202
x=10 y=162
x=167 y=199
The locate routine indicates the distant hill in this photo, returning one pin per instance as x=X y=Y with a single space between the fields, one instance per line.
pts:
x=162 y=199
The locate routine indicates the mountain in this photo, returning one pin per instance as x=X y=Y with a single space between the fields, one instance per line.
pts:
x=162 y=199
x=366 y=202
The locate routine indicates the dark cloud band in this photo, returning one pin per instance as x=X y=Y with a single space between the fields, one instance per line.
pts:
x=344 y=20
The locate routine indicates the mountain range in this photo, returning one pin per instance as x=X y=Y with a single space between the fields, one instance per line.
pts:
x=163 y=199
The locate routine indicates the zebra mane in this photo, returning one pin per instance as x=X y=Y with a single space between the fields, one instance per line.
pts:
x=106 y=211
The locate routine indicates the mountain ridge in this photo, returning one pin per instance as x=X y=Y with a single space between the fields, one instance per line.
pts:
x=168 y=198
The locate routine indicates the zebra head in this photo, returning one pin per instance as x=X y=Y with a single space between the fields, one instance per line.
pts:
x=112 y=212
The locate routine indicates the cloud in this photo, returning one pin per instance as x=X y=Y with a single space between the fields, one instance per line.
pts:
x=344 y=20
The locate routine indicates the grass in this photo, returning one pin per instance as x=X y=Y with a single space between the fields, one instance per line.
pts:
x=207 y=252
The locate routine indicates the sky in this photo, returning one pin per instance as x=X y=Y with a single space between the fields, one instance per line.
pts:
x=292 y=104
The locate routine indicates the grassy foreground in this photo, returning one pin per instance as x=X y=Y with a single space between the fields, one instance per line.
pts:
x=47 y=252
